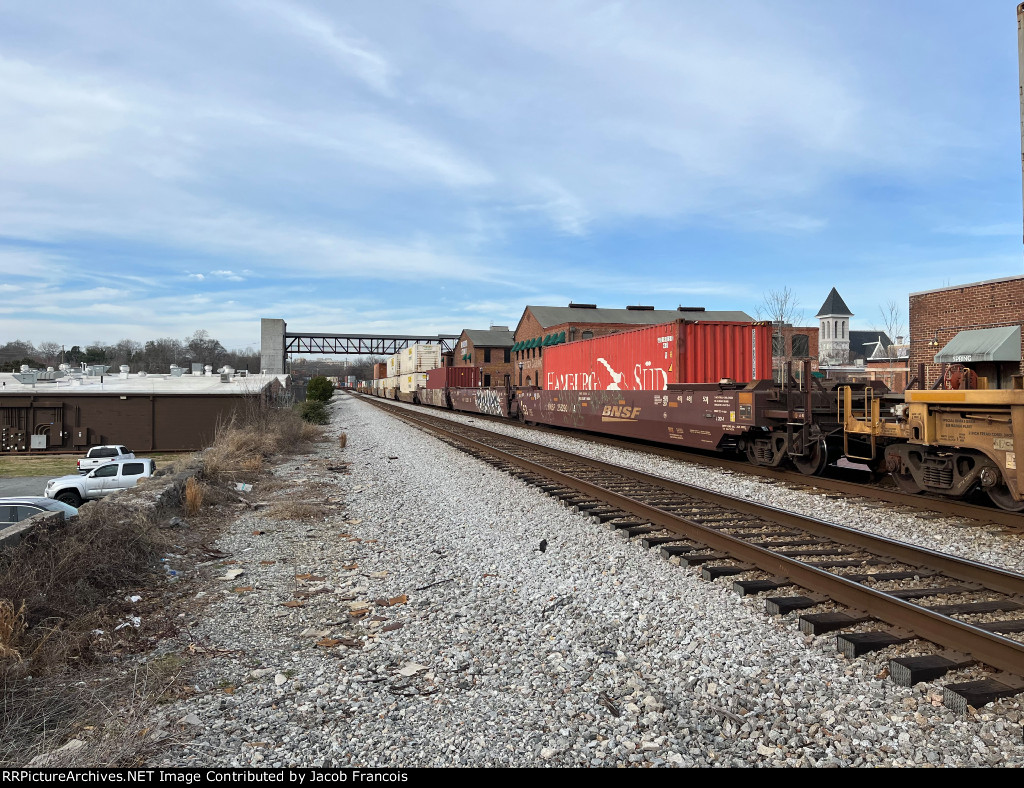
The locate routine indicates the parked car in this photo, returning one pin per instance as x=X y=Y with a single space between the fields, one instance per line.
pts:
x=100 y=455
x=14 y=510
x=104 y=480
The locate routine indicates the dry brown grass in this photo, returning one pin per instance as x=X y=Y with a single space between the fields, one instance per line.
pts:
x=60 y=578
x=243 y=443
x=195 y=492
x=107 y=713
x=311 y=433
x=294 y=510
x=12 y=625
x=342 y=440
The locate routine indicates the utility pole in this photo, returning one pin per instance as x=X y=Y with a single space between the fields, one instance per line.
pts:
x=1020 y=83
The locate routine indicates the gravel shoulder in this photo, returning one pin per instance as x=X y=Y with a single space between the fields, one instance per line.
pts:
x=477 y=649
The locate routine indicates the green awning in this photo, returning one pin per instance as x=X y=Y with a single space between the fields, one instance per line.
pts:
x=982 y=344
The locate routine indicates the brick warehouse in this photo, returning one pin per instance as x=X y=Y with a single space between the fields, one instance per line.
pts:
x=490 y=350
x=584 y=321
x=938 y=316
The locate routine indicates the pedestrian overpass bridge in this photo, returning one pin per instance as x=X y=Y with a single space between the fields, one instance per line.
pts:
x=276 y=342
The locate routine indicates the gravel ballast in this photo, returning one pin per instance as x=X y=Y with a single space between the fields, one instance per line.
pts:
x=477 y=648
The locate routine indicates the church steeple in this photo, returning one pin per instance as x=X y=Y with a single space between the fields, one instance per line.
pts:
x=834 y=330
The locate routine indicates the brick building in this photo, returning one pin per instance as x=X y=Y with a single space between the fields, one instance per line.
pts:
x=794 y=344
x=977 y=325
x=490 y=350
x=541 y=325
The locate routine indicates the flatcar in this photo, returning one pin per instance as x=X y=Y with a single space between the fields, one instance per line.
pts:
x=945 y=442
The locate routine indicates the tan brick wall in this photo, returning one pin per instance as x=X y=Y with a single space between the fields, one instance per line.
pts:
x=941 y=315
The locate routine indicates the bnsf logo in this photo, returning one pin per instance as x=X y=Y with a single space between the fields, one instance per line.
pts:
x=621 y=412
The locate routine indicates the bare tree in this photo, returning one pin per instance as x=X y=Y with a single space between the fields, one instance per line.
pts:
x=893 y=322
x=49 y=352
x=781 y=308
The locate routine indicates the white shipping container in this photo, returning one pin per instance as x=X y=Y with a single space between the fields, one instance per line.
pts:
x=390 y=383
x=410 y=383
x=419 y=358
x=393 y=364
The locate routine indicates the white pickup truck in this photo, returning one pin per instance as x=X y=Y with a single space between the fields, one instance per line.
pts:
x=104 y=480
x=100 y=455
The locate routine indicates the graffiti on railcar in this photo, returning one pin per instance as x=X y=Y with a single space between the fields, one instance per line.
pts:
x=489 y=401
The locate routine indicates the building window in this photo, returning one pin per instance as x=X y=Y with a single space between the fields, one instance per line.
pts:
x=487 y=355
x=487 y=380
x=587 y=335
x=508 y=355
x=778 y=345
x=801 y=346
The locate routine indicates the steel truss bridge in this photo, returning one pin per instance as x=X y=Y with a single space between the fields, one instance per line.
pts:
x=362 y=344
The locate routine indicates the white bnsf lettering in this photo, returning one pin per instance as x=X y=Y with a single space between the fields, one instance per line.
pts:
x=620 y=412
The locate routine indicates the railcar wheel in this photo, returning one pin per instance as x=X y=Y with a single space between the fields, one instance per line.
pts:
x=906 y=482
x=1001 y=497
x=816 y=460
x=752 y=454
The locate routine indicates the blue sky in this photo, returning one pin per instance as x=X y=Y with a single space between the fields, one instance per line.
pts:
x=428 y=167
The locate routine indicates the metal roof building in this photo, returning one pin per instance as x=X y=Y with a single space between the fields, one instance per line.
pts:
x=67 y=412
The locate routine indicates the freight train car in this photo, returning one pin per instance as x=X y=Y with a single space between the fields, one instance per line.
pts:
x=946 y=442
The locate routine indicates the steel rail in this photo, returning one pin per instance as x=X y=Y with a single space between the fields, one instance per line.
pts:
x=989 y=648
x=950 y=507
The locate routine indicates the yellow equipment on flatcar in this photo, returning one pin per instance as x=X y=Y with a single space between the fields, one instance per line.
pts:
x=947 y=442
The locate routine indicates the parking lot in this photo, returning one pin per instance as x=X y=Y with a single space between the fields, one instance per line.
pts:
x=22 y=485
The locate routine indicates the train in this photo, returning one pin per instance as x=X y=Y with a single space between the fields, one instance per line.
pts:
x=949 y=442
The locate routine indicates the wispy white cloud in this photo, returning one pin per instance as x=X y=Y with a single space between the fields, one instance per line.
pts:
x=348 y=51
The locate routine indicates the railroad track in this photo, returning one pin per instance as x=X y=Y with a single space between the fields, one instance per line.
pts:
x=987 y=513
x=954 y=613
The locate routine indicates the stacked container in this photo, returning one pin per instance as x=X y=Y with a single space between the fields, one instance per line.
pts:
x=453 y=377
x=409 y=383
x=380 y=370
x=419 y=358
x=651 y=358
x=392 y=366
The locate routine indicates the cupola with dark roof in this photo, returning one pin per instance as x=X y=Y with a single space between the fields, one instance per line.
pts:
x=834 y=330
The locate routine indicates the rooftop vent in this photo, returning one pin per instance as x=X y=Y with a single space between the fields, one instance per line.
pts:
x=176 y=371
x=499 y=328
x=27 y=378
x=582 y=306
x=690 y=309
x=639 y=308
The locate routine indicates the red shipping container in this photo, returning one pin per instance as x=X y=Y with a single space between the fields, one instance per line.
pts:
x=453 y=377
x=650 y=358
x=380 y=371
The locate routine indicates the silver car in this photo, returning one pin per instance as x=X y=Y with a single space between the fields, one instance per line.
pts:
x=14 y=510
